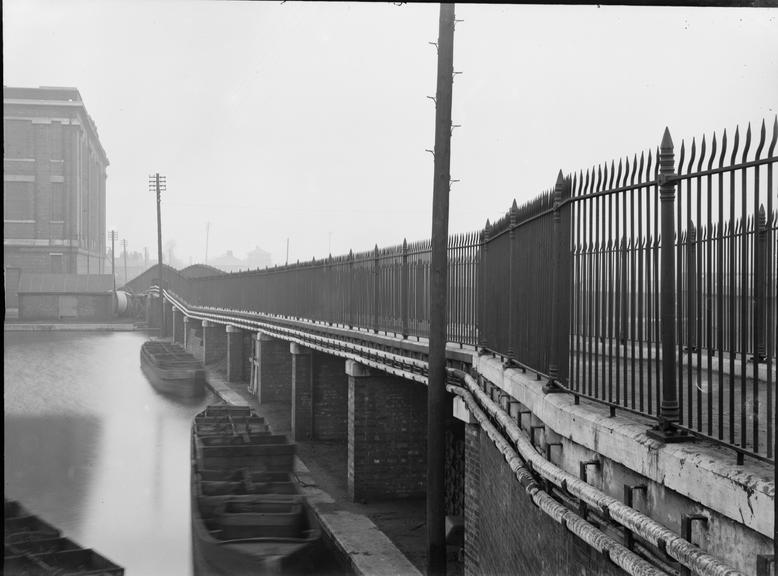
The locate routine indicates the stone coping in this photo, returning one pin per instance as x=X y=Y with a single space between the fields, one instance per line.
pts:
x=744 y=494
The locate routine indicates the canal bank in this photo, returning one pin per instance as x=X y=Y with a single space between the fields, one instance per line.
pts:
x=348 y=526
x=46 y=326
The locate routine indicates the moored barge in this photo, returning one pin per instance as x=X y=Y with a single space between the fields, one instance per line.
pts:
x=171 y=370
x=32 y=547
x=248 y=516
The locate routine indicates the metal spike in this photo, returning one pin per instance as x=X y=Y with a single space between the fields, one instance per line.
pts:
x=735 y=145
x=681 y=157
x=775 y=136
x=702 y=153
x=762 y=135
x=712 y=152
x=692 y=156
x=747 y=143
x=723 y=148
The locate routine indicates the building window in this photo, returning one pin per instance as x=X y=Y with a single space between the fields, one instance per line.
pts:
x=57 y=202
x=55 y=141
x=56 y=263
x=18 y=201
x=18 y=138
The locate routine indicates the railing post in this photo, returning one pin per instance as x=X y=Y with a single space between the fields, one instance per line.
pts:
x=484 y=239
x=691 y=287
x=560 y=286
x=404 y=289
x=668 y=412
x=761 y=271
x=375 y=290
x=514 y=215
x=350 y=289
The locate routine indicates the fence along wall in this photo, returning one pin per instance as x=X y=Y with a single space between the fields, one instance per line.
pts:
x=724 y=297
x=569 y=285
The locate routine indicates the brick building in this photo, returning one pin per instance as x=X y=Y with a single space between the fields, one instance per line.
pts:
x=54 y=173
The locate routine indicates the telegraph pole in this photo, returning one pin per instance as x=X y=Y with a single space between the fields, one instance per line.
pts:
x=124 y=246
x=157 y=184
x=114 y=236
x=436 y=389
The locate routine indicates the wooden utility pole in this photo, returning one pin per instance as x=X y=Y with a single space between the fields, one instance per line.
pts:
x=114 y=235
x=124 y=247
x=436 y=390
x=157 y=183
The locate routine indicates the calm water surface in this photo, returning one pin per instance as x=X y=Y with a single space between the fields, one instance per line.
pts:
x=92 y=448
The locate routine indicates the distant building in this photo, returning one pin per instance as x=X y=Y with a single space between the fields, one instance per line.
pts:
x=53 y=184
x=228 y=262
x=258 y=258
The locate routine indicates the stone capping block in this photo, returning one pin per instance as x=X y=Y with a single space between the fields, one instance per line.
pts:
x=295 y=348
x=357 y=370
x=233 y=329
x=206 y=323
x=186 y=319
x=744 y=494
x=460 y=411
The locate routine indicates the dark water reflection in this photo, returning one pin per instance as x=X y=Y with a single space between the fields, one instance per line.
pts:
x=93 y=449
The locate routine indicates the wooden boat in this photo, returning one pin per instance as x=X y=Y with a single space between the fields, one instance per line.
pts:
x=172 y=370
x=33 y=547
x=248 y=516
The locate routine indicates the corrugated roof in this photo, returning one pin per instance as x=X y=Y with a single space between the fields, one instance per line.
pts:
x=65 y=283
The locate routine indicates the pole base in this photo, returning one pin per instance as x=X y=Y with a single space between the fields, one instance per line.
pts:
x=667 y=433
x=552 y=387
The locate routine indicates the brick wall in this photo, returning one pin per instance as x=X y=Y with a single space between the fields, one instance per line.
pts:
x=301 y=396
x=248 y=344
x=46 y=306
x=275 y=371
x=505 y=533
x=330 y=397
x=472 y=498
x=194 y=340
x=387 y=437
x=214 y=343
x=455 y=468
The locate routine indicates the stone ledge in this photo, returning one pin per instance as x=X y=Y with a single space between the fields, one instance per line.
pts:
x=745 y=494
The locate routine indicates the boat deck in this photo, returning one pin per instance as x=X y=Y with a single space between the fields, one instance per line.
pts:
x=33 y=547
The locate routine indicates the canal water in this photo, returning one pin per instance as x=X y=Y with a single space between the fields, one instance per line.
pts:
x=93 y=449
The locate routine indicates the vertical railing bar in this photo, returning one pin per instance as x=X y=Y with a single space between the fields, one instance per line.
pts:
x=744 y=298
x=732 y=291
x=681 y=315
x=771 y=296
x=698 y=265
x=720 y=291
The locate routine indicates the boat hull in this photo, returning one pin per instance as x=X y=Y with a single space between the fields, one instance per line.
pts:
x=248 y=516
x=182 y=378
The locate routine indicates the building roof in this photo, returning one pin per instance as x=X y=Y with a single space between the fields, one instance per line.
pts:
x=40 y=283
x=52 y=96
x=199 y=270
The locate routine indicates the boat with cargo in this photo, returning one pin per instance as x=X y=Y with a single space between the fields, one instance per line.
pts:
x=33 y=547
x=248 y=515
x=172 y=370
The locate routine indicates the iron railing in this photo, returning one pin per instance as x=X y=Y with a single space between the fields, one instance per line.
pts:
x=578 y=285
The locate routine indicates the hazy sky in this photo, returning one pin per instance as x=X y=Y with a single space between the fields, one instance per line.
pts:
x=309 y=121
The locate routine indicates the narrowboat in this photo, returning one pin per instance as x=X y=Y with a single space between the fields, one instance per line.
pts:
x=248 y=515
x=171 y=370
x=33 y=547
